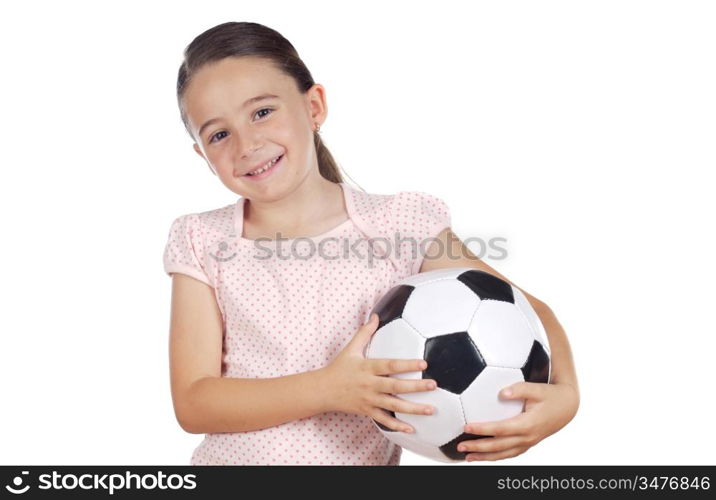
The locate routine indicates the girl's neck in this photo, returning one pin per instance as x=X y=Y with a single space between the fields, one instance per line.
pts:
x=312 y=208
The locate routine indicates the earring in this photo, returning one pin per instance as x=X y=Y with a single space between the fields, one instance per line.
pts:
x=318 y=128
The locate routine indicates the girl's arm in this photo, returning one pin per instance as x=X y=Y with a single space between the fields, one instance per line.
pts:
x=221 y=404
x=204 y=402
x=561 y=355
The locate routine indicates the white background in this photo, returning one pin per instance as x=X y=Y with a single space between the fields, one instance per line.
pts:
x=583 y=132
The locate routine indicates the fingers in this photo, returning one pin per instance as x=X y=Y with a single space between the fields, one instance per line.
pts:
x=388 y=366
x=396 y=404
x=524 y=390
x=386 y=419
x=390 y=385
x=493 y=444
x=364 y=333
x=517 y=425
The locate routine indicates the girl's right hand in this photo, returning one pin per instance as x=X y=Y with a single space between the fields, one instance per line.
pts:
x=359 y=385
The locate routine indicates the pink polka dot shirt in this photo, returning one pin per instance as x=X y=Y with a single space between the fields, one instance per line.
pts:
x=291 y=305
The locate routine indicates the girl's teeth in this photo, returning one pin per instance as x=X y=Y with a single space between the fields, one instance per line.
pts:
x=266 y=167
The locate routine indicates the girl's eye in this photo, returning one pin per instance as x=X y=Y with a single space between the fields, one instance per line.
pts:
x=215 y=137
x=264 y=109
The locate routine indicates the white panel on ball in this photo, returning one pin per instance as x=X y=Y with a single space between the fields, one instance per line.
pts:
x=440 y=307
x=445 y=424
x=481 y=401
x=397 y=340
x=502 y=334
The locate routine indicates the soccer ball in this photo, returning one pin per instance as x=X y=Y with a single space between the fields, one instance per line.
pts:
x=478 y=334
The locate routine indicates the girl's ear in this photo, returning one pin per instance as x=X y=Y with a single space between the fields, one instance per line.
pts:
x=316 y=103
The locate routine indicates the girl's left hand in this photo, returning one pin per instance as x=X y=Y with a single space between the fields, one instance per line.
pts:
x=548 y=408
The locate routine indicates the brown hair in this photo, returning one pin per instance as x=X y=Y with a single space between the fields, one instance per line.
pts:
x=237 y=39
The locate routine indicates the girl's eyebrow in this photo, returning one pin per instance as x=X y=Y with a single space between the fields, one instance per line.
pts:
x=246 y=103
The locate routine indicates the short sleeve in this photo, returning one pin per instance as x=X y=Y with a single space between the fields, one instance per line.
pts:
x=420 y=217
x=184 y=252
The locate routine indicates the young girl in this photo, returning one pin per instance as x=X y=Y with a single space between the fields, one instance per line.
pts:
x=271 y=295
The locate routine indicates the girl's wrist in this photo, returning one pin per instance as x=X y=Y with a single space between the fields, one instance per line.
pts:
x=323 y=389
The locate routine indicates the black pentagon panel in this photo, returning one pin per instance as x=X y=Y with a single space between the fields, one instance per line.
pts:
x=386 y=429
x=450 y=449
x=453 y=361
x=536 y=368
x=391 y=305
x=487 y=286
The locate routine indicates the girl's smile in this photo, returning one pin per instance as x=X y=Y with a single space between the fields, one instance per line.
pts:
x=264 y=172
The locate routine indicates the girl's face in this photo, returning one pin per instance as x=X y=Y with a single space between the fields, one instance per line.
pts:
x=236 y=134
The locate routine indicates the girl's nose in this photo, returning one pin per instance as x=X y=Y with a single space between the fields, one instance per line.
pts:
x=249 y=147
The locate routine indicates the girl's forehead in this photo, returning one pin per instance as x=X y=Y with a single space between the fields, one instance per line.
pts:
x=236 y=80
x=242 y=72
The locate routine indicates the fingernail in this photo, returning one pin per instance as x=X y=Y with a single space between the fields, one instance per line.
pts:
x=423 y=365
x=460 y=448
x=507 y=393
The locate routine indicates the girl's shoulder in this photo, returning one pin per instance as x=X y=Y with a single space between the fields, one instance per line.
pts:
x=193 y=237
x=408 y=210
x=399 y=223
x=212 y=225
